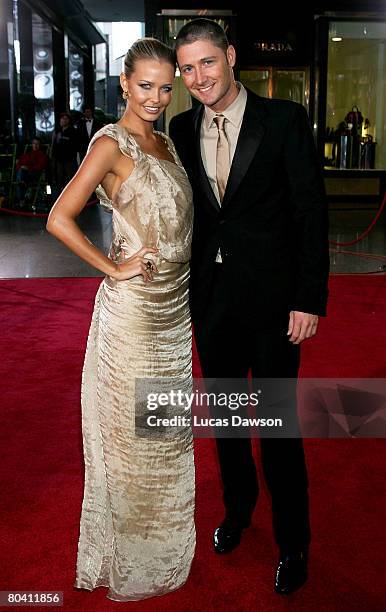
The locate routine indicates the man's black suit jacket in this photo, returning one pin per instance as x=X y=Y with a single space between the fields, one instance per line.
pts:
x=83 y=137
x=272 y=226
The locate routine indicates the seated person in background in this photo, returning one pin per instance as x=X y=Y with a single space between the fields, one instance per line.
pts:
x=32 y=162
x=29 y=167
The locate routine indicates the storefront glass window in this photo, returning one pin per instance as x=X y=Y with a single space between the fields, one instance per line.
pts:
x=100 y=63
x=272 y=82
x=76 y=77
x=43 y=75
x=356 y=96
x=257 y=81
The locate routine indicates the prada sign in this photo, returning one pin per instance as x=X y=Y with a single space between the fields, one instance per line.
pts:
x=275 y=47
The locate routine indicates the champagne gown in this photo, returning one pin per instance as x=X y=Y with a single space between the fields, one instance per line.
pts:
x=137 y=533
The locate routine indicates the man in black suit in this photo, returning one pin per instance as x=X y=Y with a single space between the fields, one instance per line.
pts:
x=259 y=269
x=64 y=152
x=86 y=128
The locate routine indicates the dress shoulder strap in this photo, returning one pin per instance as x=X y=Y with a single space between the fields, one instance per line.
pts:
x=126 y=142
x=127 y=146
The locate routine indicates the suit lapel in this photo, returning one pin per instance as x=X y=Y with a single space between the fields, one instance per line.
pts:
x=251 y=135
x=204 y=181
x=250 y=138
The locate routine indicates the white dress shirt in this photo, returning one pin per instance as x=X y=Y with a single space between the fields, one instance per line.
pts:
x=89 y=123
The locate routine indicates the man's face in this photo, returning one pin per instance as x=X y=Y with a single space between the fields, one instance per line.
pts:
x=64 y=121
x=35 y=145
x=88 y=113
x=207 y=72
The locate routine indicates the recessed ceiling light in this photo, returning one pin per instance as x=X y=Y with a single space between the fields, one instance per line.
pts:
x=336 y=39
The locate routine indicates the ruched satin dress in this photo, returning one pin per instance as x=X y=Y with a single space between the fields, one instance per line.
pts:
x=137 y=533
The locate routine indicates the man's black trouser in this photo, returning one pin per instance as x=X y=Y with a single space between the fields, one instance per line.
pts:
x=230 y=344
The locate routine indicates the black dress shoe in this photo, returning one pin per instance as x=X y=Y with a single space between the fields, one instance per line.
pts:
x=291 y=572
x=227 y=536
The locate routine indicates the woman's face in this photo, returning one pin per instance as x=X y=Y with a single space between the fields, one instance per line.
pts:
x=149 y=88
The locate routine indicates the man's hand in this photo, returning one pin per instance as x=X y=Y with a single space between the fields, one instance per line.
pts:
x=302 y=325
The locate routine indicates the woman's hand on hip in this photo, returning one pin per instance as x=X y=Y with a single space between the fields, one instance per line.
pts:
x=136 y=265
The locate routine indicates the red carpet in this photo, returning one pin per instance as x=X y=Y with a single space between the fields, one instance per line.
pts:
x=44 y=324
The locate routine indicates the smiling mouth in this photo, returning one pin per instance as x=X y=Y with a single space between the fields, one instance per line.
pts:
x=205 y=89
x=152 y=109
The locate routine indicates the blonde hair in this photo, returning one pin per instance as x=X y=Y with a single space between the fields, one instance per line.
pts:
x=148 y=48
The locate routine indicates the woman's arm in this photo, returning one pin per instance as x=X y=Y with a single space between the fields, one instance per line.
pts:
x=61 y=222
x=102 y=159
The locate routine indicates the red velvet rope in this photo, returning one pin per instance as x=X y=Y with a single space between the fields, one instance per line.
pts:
x=27 y=213
x=367 y=230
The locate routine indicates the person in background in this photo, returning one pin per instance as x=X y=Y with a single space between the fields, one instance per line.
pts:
x=29 y=167
x=64 y=152
x=86 y=127
x=6 y=137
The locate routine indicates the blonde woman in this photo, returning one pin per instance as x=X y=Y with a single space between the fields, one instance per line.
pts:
x=137 y=533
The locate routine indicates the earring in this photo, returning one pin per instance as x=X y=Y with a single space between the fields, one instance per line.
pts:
x=125 y=94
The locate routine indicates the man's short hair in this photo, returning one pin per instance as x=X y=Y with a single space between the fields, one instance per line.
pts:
x=202 y=29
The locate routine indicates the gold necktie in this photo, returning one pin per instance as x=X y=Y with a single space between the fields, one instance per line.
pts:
x=222 y=159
